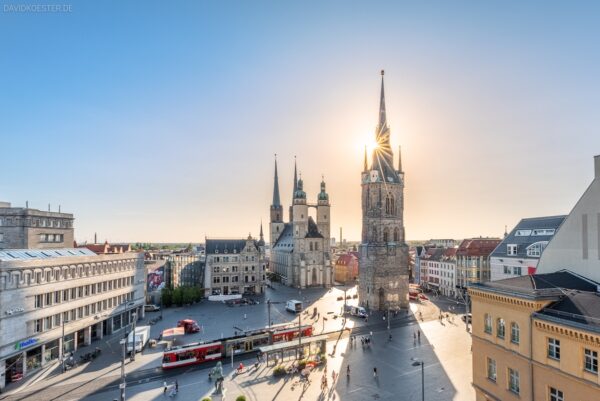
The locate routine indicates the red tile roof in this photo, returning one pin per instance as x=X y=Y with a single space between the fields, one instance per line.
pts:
x=477 y=246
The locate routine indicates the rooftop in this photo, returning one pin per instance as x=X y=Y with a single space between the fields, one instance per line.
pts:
x=576 y=306
x=540 y=285
x=527 y=232
x=29 y=254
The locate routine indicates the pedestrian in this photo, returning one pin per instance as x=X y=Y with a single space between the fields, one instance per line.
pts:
x=164 y=387
x=375 y=372
x=419 y=335
x=348 y=371
x=415 y=335
x=176 y=386
x=390 y=336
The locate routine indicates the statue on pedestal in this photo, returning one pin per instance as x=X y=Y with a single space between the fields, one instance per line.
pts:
x=217 y=374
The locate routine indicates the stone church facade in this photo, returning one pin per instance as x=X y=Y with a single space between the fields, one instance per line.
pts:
x=383 y=274
x=300 y=248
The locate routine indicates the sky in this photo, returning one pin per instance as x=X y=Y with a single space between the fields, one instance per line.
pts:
x=158 y=121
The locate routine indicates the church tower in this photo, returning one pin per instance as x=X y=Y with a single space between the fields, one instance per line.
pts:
x=323 y=208
x=276 y=222
x=383 y=251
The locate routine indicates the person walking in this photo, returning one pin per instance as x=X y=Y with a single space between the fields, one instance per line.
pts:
x=348 y=371
x=164 y=387
x=176 y=386
x=375 y=372
x=419 y=335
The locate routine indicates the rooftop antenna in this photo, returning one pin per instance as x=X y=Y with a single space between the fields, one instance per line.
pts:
x=58 y=208
x=26 y=204
x=48 y=207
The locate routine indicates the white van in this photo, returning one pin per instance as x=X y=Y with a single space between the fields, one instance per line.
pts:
x=293 y=306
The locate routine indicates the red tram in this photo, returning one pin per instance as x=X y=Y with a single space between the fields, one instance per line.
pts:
x=196 y=353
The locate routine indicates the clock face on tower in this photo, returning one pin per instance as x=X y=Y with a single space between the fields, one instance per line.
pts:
x=374 y=176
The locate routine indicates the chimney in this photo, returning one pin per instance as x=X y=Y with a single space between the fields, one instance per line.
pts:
x=95 y=238
x=597 y=167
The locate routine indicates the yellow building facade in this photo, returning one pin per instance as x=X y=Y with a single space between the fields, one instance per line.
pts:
x=530 y=344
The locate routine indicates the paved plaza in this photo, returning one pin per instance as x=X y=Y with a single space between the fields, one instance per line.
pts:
x=444 y=348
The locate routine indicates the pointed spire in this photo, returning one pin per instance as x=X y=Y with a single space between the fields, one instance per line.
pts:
x=400 y=158
x=276 y=200
x=382 y=117
x=295 y=178
x=365 y=167
x=261 y=230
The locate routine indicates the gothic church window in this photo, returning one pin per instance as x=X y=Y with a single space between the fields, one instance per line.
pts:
x=374 y=234
x=396 y=234
x=385 y=235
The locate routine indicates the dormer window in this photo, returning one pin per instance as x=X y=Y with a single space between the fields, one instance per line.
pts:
x=511 y=249
x=536 y=249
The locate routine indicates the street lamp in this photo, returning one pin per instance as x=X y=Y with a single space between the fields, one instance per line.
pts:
x=63 y=342
x=417 y=362
x=123 y=343
x=134 y=316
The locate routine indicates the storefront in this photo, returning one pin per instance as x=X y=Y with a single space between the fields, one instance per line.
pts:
x=52 y=351
x=14 y=369
x=34 y=358
x=69 y=342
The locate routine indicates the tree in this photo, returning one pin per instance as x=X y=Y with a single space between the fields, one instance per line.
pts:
x=167 y=297
x=178 y=296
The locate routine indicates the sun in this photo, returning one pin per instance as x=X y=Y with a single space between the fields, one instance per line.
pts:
x=371 y=145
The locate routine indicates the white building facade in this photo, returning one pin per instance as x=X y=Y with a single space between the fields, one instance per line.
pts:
x=519 y=252
x=55 y=301
x=576 y=244
x=447 y=273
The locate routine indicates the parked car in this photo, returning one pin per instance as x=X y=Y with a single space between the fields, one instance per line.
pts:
x=151 y=308
x=189 y=325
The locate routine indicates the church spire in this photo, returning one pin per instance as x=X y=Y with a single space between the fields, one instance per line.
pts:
x=382 y=117
x=365 y=167
x=295 y=178
x=276 y=200
x=400 y=159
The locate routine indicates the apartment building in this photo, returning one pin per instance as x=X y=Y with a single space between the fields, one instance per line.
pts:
x=53 y=301
x=536 y=338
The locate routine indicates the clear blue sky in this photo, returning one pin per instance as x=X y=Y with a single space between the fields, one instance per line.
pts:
x=158 y=121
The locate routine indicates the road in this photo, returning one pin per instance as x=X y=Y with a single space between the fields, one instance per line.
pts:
x=217 y=320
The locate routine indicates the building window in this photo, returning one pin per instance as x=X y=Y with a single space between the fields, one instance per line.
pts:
x=554 y=348
x=556 y=395
x=517 y=270
x=591 y=361
x=491 y=369
x=511 y=249
x=39 y=326
x=507 y=269
x=536 y=249
x=513 y=380
x=500 y=328
x=487 y=320
x=514 y=333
